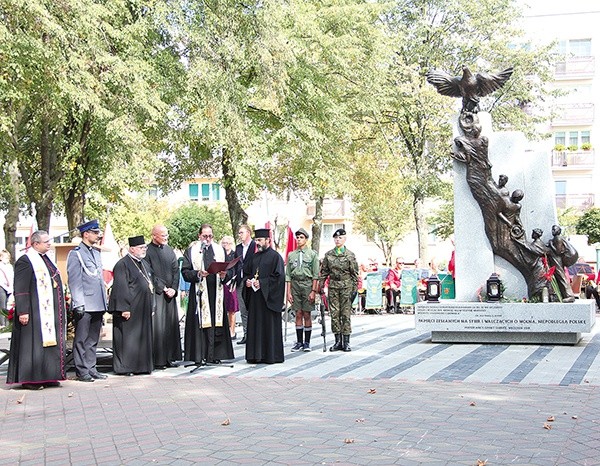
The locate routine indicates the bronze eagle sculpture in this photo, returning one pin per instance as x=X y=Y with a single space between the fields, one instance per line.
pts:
x=470 y=88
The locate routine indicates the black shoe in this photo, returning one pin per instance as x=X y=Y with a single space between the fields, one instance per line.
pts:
x=32 y=386
x=52 y=384
x=85 y=378
x=99 y=376
x=242 y=341
x=160 y=368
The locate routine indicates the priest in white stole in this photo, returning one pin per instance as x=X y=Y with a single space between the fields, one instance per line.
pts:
x=207 y=337
x=37 y=347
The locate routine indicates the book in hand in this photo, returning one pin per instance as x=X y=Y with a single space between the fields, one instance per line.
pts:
x=217 y=267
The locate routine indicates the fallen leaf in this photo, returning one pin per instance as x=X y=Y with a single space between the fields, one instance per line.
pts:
x=472 y=403
x=348 y=440
x=481 y=463
x=226 y=422
x=20 y=400
x=362 y=419
x=550 y=419
x=547 y=426
x=573 y=417
x=70 y=394
x=372 y=390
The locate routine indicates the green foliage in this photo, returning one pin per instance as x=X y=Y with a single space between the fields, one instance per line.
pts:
x=567 y=219
x=589 y=224
x=573 y=147
x=560 y=147
x=586 y=146
x=442 y=221
x=184 y=224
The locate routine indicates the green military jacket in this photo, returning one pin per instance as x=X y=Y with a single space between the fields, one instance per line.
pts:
x=307 y=269
x=342 y=269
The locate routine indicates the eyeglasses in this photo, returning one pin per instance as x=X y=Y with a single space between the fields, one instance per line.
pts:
x=206 y=236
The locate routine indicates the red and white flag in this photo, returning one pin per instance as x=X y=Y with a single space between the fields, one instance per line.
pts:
x=291 y=243
x=109 y=252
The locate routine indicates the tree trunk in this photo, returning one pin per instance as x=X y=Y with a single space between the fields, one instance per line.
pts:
x=422 y=229
x=237 y=215
x=317 y=223
x=12 y=211
x=74 y=203
x=43 y=205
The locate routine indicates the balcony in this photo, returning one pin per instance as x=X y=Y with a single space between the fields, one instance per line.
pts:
x=573 y=114
x=577 y=201
x=332 y=209
x=579 y=159
x=575 y=68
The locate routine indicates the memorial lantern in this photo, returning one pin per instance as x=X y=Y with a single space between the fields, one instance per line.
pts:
x=433 y=290
x=494 y=288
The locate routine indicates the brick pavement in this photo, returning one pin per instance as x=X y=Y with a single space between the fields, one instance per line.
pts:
x=429 y=406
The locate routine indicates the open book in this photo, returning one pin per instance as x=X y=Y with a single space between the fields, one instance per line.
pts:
x=217 y=267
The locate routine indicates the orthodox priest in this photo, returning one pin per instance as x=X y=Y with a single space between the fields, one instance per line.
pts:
x=37 y=346
x=166 y=340
x=207 y=338
x=132 y=303
x=266 y=291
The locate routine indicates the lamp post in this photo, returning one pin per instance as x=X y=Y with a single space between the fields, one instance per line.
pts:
x=494 y=288
x=433 y=290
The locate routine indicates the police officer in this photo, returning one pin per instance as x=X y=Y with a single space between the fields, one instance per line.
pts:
x=302 y=281
x=88 y=300
x=341 y=267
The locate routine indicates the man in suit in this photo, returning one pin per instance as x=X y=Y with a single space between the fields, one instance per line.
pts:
x=88 y=300
x=245 y=250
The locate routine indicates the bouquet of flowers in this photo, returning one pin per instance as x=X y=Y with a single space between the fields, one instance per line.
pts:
x=548 y=274
x=9 y=314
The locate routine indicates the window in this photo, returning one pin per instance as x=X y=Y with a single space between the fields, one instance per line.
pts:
x=573 y=138
x=560 y=187
x=205 y=192
x=193 y=190
x=580 y=47
x=585 y=137
x=559 y=138
x=216 y=192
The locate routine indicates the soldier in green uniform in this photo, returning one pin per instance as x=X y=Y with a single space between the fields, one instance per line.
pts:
x=302 y=280
x=341 y=267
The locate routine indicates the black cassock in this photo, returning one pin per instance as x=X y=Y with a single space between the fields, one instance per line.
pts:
x=165 y=321
x=204 y=344
x=132 y=339
x=29 y=360
x=264 y=341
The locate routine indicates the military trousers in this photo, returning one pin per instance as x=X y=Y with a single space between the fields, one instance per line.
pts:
x=340 y=309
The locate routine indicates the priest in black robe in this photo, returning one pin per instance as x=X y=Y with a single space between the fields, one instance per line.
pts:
x=265 y=291
x=37 y=346
x=166 y=339
x=207 y=337
x=131 y=303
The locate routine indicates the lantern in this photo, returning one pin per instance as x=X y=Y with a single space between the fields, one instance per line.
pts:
x=433 y=290
x=494 y=288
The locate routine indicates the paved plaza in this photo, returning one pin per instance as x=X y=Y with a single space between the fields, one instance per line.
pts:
x=395 y=399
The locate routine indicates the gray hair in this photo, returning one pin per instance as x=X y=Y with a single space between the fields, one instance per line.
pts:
x=36 y=236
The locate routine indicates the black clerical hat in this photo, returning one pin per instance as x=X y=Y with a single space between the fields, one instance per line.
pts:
x=136 y=241
x=262 y=233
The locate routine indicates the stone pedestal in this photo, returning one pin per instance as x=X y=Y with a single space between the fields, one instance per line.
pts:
x=520 y=323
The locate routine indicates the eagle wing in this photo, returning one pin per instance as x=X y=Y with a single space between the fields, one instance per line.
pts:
x=488 y=83
x=444 y=83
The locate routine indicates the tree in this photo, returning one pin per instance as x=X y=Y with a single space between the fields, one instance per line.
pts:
x=439 y=34
x=382 y=205
x=589 y=224
x=184 y=224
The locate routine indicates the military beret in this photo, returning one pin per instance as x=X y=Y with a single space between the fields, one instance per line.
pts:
x=339 y=232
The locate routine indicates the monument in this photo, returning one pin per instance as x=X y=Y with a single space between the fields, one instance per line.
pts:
x=492 y=219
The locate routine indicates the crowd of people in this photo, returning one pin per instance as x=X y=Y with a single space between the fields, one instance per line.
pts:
x=223 y=279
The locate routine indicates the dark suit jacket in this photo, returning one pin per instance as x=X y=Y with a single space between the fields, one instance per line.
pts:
x=245 y=265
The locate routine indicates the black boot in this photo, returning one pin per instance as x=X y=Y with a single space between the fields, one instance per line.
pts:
x=346 y=344
x=338 y=343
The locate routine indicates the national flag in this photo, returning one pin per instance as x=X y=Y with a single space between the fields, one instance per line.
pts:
x=291 y=243
x=109 y=252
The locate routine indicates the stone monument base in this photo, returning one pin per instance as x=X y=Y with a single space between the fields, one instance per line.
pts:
x=512 y=323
